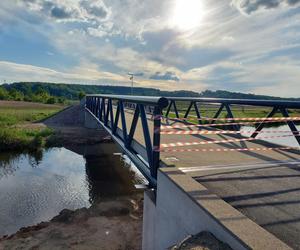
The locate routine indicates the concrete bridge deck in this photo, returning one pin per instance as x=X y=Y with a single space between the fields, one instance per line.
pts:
x=263 y=185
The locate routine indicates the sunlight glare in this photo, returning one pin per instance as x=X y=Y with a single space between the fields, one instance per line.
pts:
x=188 y=14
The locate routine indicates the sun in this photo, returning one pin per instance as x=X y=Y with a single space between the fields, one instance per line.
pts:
x=187 y=14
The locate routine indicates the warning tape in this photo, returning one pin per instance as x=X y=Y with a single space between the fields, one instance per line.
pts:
x=211 y=125
x=221 y=132
x=239 y=119
x=226 y=149
x=183 y=144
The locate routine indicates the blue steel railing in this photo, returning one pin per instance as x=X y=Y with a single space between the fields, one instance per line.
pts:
x=276 y=105
x=109 y=110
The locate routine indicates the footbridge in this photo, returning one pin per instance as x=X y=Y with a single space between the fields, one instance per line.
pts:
x=227 y=166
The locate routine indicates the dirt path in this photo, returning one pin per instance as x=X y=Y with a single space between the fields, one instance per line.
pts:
x=69 y=128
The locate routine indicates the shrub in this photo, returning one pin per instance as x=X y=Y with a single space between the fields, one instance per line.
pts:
x=51 y=100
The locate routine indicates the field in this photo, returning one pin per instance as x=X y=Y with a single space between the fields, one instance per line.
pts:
x=238 y=111
x=18 y=124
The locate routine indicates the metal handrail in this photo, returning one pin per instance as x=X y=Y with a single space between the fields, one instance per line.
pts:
x=162 y=102
x=248 y=102
x=109 y=109
x=276 y=105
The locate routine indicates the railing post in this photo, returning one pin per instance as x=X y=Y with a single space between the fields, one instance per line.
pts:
x=291 y=124
x=156 y=141
x=230 y=115
x=147 y=137
x=262 y=124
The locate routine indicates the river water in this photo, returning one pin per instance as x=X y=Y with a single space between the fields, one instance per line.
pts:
x=36 y=187
x=289 y=140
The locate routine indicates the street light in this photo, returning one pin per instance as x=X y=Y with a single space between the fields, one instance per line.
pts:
x=131 y=78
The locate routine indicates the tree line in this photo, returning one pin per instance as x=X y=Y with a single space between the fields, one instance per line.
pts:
x=59 y=93
x=39 y=95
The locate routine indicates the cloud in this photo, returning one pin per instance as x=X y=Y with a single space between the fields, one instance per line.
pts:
x=227 y=51
x=168 y=76
x=96 y=9
x=84 y=73
x=60 y=13
x=57 y=10
x=79 y=11
x=99 y=32
x=250 y=6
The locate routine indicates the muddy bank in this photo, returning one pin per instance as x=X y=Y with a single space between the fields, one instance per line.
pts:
x=107 y=225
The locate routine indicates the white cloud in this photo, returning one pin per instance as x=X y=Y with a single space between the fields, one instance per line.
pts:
x=108 y=38
x=97 y=32
x=85 y=73
x=250 y=6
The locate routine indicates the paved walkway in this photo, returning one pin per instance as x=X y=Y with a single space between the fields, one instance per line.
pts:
x=263 y=185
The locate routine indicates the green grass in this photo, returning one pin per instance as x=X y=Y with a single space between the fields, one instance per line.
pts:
x=16 y=132
x=208 y=111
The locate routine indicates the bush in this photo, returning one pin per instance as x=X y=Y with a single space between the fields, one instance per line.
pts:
x=37 y=142
x=51 y=100
x=61 y=100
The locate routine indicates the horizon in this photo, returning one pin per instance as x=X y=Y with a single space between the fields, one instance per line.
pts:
x=153 y=88
x=235 y=45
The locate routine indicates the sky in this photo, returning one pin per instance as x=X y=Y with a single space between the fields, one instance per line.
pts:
x=250 y=46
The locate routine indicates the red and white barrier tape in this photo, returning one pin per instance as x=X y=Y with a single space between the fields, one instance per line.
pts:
x=238 y=119
x=213 y=150
x=210 y=125
x=183 y=144
x=222 y=132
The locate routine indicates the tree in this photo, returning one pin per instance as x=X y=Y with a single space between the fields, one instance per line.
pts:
x=81 y=95
x=16 y=95
x=3 y=94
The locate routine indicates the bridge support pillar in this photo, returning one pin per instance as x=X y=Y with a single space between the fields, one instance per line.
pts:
x=90 y=121
x=149 y=220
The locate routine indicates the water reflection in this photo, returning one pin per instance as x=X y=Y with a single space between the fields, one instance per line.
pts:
x=9 y=161
x=108 y=181
x=36 y=187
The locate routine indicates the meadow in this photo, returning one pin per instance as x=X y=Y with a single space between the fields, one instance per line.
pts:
x=19 y=127
x=238 y=111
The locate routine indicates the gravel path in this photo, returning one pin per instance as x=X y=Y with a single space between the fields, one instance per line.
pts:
x=69 y=128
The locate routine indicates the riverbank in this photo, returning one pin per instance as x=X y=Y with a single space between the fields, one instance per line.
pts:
x=112 y=222
x=19 y=128
x=109 y=225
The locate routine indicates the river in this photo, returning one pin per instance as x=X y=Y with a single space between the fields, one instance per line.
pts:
x=279 y=138
x=36 y=187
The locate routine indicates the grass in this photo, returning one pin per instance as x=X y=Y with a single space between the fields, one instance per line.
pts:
x=16 y=129
x=209 y=110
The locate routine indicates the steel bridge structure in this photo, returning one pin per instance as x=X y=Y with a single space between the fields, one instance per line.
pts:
x=110 y=112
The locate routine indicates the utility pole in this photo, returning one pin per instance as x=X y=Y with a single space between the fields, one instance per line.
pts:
x=131 y=75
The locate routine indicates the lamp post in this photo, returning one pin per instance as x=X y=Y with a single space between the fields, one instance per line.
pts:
x=131 y=75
